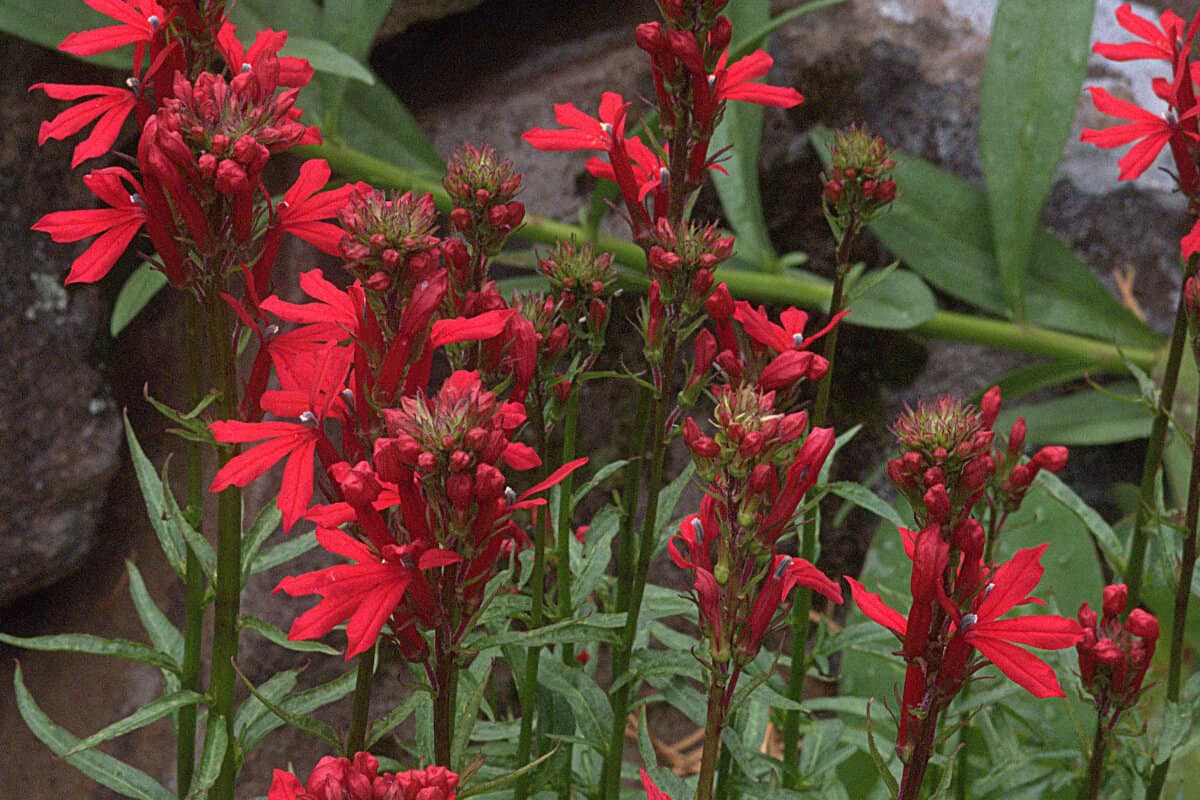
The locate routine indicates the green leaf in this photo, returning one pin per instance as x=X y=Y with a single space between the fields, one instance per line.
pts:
x=169 y=537
x=864 y=498
x=195 y=540
x=265 y=524
x=881 y=765
x=298 y=17
x=216 y=741
x=283 y=552
x=468 y=710
x=668 y=498
x=1100 y=530
x=372 y=119
x=93 y=645
x=138 y=290
x=1086 y=417
x=273 y=689
x=900 y=301
x=597 y=552
x=104 y=769
x=596 y=480
x=48 y=22
x=587 y=629
x=741 y=126
x=151 y=712
x=1177 y=724
x=1042 y=375
x=1031 y=83
x=165 y=637
x=292 y=711
x=278 y=637
x=588 y=702
x=939 y=227
x=192 y=427
x=327 y=58
x=385 y=725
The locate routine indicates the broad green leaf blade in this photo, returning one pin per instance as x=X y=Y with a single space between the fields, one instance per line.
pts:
x=900 y=301
x=137 y=291
x=151 y=712
x=297 y=17
x=1104 y=535
x=265 y=524
x=1031 y=84
x=169 y=537
x=92 y=645
x=1087 y=417
x=48 y=22
x=372 y=119
x=279 y=638
x=165 y=637
x=1042 y=375
x=104 y=769
x=216 y=740
x=938 y=226
x=283 y=552
x=741 y=127
x=350 y=26
x=325 y=57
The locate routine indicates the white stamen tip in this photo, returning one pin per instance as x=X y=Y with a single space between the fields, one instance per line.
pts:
x=797 y=339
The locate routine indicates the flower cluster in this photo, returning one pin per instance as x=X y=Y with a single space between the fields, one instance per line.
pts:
x=693 y=81
x=1114 y=654
x=959 y=596
x=859 y=182
x=951 y=461
x=360 y=779
x=1169 y=41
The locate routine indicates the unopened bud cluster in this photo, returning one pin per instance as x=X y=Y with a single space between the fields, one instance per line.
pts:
x=1114 y=653
x=859 y=181
x=482 y=188
x=390 y=241
x=582 y=279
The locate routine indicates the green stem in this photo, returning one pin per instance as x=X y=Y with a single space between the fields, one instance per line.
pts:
x=726 y=770
x=563 y=573
x=790 y=288
x=1147 y=502
x=626 y=546
x=537 y=590
x=356 y=737
x=193 y=593
x=229 y=542
x=1183 y=594
x=567 y=488
x=623 y=654
x=446 y=677
x=810 y=536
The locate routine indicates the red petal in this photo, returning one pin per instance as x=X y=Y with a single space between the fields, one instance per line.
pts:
x=1022 y=667
x=876 y=610
x=1044 y=631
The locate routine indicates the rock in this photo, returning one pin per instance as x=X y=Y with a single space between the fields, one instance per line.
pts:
x=59 y=432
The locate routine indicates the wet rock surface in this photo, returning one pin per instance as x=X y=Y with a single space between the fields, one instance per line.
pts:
x=909 y=68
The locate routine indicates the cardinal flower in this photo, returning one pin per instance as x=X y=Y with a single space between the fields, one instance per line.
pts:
x=1147 y=132
x=363 y=594
x=139 y=21
x=1161 y=42
x=107 y=106
x=739 y=82
x=117 y=225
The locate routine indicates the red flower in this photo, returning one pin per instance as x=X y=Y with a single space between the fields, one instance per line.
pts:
x=739 y=82
x=359 y=779
x=293 y=72
x=364 y=593
x=314 y=397
x=793 y=360
x=140 y=21
x=1148 y=132
x=117 y=225
x=108 y=108
x=1156 y=43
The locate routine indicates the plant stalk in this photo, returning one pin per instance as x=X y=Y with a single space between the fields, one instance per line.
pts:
x=914 y=771
x=193 y=576
x=623 y=654
x=810 y=537
x=1095 y=776
x=1147 y=504
x=1183 y=592
x=563 y=573
x=537 y=591
x=229 y=541
x=714 y=722
x=356 y=737
x=446 y=677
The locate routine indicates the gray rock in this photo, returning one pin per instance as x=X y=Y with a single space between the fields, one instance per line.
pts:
x=59 y=433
